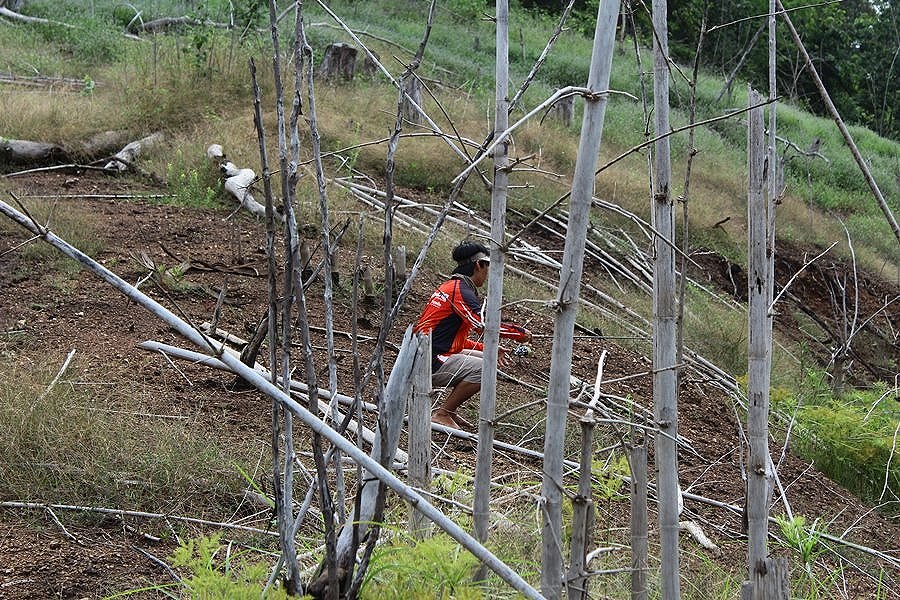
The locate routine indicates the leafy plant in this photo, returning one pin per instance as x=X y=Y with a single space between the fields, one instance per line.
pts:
x=851 y=439
x=190 y=186
x=214 y=576
x=803 y=540
x=608 y=477
x=436 y=567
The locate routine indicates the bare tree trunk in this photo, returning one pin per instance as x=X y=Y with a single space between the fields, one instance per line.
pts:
x=567 y=299
x=832 y=109
x=288 y=551
x=774 y=166
x=665 y=385
x=759 y=475
x=303 y=57
x=488 y=404
x=685 y=205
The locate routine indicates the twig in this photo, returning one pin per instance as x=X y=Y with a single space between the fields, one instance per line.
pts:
x=52 y=385
x=785 y=287
x=887 y=469
x=63 y=527
x=555 y=97
x=161 y=563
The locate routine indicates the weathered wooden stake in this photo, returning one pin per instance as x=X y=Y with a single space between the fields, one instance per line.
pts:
x=368 y=285
x=413 y=90
x=639 y=544
x=399 y=266
x=583 y=515
x=419 y=417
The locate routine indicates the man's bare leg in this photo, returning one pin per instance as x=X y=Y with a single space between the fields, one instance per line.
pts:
x=446 y=411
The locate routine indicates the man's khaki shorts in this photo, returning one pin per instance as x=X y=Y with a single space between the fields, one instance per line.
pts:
x=464 y=366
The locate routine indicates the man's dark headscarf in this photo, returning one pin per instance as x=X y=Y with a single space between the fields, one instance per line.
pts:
x=466 y=255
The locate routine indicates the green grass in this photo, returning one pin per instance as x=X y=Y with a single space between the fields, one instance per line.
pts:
x=852 y=439
x=92 y=444
x=71 y=226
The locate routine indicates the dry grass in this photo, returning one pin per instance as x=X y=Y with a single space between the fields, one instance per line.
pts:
x=98 y=443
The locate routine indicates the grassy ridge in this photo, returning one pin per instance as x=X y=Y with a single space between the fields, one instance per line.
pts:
x=151 y=85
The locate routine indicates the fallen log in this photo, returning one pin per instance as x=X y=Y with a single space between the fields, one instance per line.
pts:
x=25 y=152
x=166 y=23
x=56 y=83
x=123 y=159
x=10 y=14
x=40 y=154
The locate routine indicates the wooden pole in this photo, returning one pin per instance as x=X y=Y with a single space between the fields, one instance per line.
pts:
x=665 y=322
x=639 y=543
x=488 y=405
x=582 y=515
x=568 y=296
x=419 y=413
x=759 y=477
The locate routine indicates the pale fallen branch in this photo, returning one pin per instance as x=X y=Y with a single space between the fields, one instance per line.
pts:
x=400 y=457
x=10 y=14
x=43 y=81
x=166 y=23
x=63 y=527
x=125 y=157
x=133 y=513
x=55 y=380
x=238 y=183
x=697 y=533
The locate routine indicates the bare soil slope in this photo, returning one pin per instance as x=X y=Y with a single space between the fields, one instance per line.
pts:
x=42 y=558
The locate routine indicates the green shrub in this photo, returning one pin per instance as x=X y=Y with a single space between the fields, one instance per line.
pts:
x=197 y=186
x=213 y=576
x=436 y=567
x=851 y=439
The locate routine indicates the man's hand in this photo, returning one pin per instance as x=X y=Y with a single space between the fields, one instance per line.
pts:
x=503 y=359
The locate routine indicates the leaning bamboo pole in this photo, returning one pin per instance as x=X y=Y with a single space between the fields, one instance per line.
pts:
x=833 y=111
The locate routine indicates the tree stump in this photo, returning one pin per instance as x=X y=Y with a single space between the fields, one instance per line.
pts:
x=370 y=67
x=413 y=89
x=339 y=61
x=563 y=110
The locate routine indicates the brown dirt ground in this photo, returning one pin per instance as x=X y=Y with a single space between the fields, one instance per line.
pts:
x=39 y=560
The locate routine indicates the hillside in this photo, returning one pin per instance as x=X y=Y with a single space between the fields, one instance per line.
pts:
x=186 y=450
x=48 y=313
